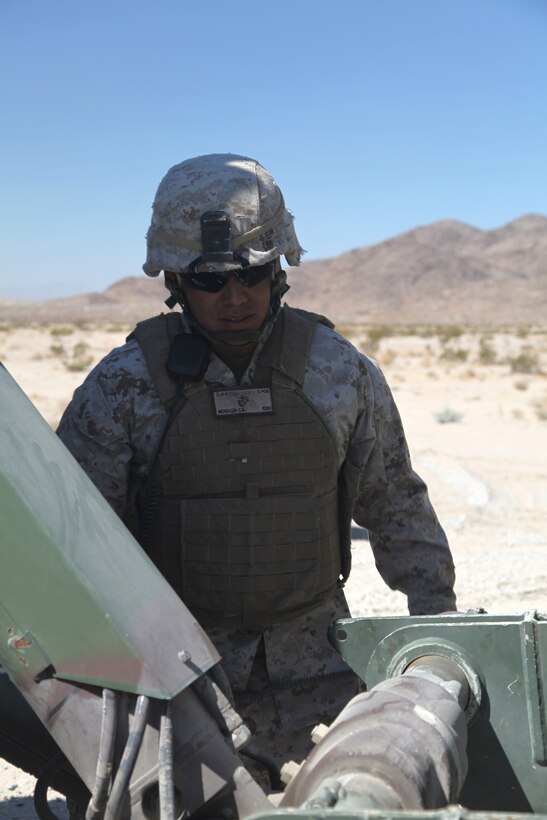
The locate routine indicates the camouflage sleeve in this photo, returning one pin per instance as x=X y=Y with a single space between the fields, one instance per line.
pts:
x=410 y=547
x=113 y=422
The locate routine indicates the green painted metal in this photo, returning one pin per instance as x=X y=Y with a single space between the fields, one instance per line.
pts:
x=505 y=660
x=450 y=813
x=78 y=596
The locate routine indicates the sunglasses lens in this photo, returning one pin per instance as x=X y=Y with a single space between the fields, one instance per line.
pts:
x=212 y=282
x=207 y=281
x=252 y=276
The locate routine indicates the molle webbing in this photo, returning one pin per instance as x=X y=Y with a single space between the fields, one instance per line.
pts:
x=246 y=516
x=252 y=506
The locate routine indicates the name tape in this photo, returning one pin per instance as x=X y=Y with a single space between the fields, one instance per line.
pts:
x=247 y=401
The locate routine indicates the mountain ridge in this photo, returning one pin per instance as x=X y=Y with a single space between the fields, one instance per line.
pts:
x=443 y=272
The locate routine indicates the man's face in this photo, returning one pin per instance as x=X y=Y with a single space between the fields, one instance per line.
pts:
x=235 y=307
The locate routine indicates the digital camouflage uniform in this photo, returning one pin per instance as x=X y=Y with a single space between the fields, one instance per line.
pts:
x=215 y=214
x=113 y=426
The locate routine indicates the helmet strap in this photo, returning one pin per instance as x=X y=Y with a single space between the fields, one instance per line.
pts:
x=232 y=339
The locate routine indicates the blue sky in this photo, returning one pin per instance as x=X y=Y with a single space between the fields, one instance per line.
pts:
x=374 y=117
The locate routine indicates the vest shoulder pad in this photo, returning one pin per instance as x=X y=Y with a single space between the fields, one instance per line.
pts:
x=316 y=318
x=154 y=337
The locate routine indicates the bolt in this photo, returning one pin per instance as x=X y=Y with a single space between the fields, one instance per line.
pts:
x=318 y=733
x=184 y=656
x=289 y=770
x=241 y=736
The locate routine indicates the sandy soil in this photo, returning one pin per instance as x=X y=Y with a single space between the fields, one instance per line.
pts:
x=474 y=405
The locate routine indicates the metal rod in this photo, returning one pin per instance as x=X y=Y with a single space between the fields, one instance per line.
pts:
x=165 y=762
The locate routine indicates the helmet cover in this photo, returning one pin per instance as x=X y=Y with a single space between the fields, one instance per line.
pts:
x=261 y=227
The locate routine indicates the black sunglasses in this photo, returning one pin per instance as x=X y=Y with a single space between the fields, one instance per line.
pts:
x=214 y=281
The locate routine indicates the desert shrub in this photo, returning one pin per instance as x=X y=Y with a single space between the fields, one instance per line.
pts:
x=426 y=331
x=57 y=349
x=376 y=333
x=451 y=354
x=79 y=359
x=77 y=365
x=448 y=332
x=526 y=362
x=522 y=332
x=448 y=416
x=61 y=330
x=521 y=384
x=487 y=354
x=540 y=407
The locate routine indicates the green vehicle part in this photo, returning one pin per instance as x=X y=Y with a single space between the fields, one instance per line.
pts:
x=106 y=654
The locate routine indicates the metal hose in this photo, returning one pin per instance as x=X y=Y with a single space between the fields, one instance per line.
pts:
x=99 y=797
x=127 y=763
x=42 y=785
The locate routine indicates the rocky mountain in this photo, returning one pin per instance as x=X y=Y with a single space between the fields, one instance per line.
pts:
x=445 y=272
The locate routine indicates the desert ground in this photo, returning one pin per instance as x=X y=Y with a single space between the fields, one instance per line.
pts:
x=474 y=407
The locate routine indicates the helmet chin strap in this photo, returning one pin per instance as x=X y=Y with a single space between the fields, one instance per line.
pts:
x=234 y=339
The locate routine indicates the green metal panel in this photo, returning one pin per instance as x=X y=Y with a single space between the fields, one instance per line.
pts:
x=77 y=592
x=505 y=659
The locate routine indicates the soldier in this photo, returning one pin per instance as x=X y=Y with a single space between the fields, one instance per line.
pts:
x=239 y=438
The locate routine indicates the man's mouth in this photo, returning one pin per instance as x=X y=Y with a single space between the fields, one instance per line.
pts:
x=235 y=320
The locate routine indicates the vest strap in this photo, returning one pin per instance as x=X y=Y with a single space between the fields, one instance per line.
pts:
x=155 y=336
x=287 y=350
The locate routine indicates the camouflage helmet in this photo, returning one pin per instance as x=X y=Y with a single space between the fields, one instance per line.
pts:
x=212 y=196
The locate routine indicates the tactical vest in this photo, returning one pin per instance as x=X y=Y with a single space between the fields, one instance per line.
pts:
x=241 y=509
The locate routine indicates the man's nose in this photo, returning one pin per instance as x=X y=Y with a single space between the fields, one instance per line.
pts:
x=233 y=292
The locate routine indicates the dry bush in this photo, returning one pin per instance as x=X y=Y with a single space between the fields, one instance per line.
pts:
x=451 y=354
x=540 y=407
x=521 y=384
x=80 y=359
x=376 y=333
x=449 y=332
x=486 y=354
x=526 y=362
x=448 y=416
